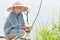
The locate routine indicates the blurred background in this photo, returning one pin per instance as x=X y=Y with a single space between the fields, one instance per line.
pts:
x=49 y=11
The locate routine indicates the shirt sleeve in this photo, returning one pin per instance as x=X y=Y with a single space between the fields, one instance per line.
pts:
x=6 y=26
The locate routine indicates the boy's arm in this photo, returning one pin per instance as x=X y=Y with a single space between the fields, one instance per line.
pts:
x=6 y=26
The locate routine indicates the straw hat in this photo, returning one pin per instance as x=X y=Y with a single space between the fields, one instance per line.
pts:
x=23 y=8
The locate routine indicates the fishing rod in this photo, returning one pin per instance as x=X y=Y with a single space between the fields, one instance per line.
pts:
x=37 y=13
x=35 y=18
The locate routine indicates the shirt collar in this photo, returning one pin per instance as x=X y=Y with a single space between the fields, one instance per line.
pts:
x=15 y=13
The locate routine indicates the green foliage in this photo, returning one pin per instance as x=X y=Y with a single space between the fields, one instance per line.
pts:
x=46 y=34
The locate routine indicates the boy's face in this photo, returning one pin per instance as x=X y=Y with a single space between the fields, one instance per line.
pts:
x=17 y=10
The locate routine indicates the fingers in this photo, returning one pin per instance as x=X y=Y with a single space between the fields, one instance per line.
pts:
x=26 y=28
x=11 y=37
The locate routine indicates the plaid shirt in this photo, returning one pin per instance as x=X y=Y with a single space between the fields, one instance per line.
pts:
x=13 y=21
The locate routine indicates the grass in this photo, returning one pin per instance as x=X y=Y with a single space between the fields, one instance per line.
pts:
x=46 y=34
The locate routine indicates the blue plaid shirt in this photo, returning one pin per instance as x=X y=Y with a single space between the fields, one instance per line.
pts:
x=13 y=21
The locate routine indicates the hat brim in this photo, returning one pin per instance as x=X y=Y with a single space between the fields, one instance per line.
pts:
x=22 y=8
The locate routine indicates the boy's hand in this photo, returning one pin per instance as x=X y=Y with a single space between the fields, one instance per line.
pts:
x=23 y=27
x=27 y=28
